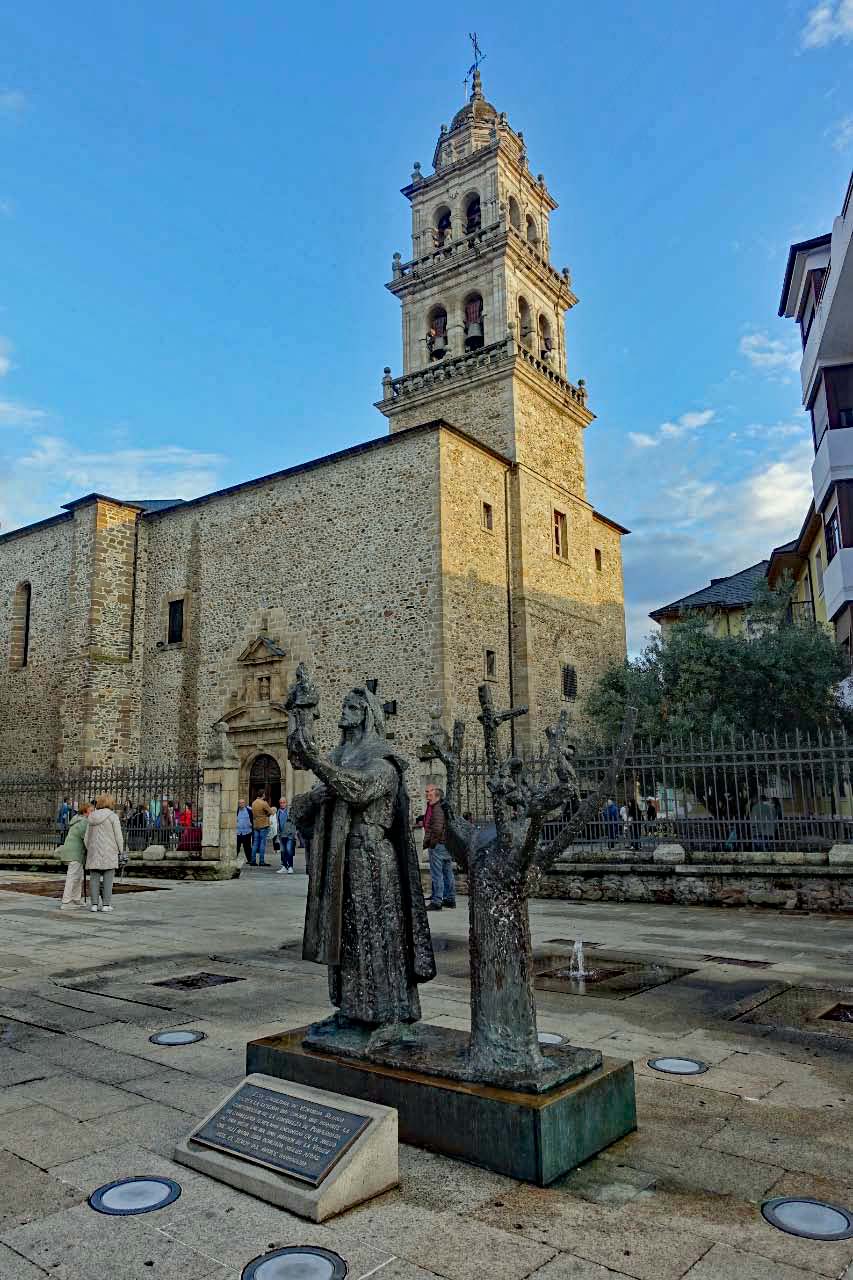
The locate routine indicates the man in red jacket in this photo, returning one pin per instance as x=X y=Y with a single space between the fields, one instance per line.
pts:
x=443 y=892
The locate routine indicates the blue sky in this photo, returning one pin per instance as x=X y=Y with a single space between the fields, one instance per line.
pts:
x=199 y=203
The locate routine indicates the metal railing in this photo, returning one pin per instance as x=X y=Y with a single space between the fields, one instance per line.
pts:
x=151 y=801
x=761 y=793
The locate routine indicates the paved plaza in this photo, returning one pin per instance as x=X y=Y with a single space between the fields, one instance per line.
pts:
x=85 y=1098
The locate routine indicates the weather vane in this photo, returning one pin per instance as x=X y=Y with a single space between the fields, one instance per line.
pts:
x=479 y=56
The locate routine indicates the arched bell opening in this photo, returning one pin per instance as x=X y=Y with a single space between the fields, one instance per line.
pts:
x=473 y=322
x=546 y=344
x=525 y=325
x=436 y=337
x=443 y=227
x=473 y=214
x=514 y=213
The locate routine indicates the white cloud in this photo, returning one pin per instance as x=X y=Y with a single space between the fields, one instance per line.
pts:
x=842 y=133
x=53 y=471
x=5 y=356
x=770 y=355
x=12 y=102
x=683 y=426
x=781 y=431
x=14 y=414
x=167 y=471
x=829 y=20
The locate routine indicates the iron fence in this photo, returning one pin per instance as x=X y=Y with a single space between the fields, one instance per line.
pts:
x=723 y=795
x=156 y=804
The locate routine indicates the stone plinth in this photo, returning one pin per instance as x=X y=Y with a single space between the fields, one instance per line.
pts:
x=533 y=1137
x=366 y=1169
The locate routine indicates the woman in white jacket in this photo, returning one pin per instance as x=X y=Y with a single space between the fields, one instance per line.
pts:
x=104 y=843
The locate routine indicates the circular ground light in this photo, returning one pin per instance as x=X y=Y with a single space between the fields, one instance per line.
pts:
x=678 y=1066
x=813 y=1219
x=134 y=1195
x=551 y=1037
x=173 y=1038
x=297 y=1262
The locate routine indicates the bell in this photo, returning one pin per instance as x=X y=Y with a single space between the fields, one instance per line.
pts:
x=439 y=342
x=475 y=329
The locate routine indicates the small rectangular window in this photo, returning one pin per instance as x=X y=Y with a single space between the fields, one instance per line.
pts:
x=570 y=683
x=833 y=536
x=263 y=688
x=488 y=516
x=491 y=665
x=561 y=535
x=176 y=622
x=598 y=559
x=818 y=565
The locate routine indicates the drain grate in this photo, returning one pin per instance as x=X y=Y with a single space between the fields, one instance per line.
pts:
x=743 y=964
x=838 y=1013
x=196 y=981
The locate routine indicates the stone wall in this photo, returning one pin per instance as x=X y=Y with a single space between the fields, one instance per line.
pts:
x=30 y=695
x=341 y=561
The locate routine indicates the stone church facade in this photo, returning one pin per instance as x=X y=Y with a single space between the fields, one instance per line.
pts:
x=458 y=547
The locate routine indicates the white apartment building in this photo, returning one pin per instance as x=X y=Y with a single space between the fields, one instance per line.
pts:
x=818 y=294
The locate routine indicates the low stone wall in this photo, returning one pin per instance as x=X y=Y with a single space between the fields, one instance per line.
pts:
x=782 y=880
x=162 y=867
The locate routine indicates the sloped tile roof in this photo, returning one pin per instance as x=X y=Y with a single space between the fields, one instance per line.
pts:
x=733 y=592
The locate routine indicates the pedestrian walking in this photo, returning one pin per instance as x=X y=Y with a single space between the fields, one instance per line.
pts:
x=287 y=838
x=261 y=814
x=104 y=846
x=443 y=884
x=612 y=820
x=73 y=852
x=244 y=830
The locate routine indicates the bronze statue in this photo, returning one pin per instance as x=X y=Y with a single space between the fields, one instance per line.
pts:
x=366 y=916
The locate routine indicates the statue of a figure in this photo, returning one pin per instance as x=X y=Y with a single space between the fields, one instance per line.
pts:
x=366 y=916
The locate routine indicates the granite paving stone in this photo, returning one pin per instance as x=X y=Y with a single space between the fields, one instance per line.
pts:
x=177 y=1089
x=27 y=1192
x=79 y=1244
x=811 y=1155
x=14 y=1267
x=73 y=1096
x=46 y=1137
x=567 y=1266
x=721 y=1262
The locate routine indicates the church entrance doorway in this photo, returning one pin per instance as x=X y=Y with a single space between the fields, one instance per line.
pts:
x=265 y=779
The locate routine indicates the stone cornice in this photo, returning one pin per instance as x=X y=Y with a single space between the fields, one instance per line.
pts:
x=483 y=246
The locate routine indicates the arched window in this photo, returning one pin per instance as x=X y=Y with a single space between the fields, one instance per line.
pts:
x=525 y=327
x=532 y=231
x=546 y=345
x=443 y=230
x=436 y=337
x=19 y=649
x=473 y=217
x=514 y=213
x=473 y=323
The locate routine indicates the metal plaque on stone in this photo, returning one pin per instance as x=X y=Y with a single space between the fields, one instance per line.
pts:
x=289 y=1134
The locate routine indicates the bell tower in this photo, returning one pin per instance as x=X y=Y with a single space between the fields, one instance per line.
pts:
x=483 y=309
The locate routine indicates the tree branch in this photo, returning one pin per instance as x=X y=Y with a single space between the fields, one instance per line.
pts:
x=496 y=780
x=548 y=853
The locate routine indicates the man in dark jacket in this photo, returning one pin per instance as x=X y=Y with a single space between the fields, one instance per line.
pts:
x=443 y=891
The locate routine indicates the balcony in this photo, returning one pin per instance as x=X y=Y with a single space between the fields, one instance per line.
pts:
x=838 y=577
x=800 y=613
x=833 y=461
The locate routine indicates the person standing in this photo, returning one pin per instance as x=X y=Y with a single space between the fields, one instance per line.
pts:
x=63 y=818
x=443 y=884
x=104 y=845
x=611 y=816
x=261 y=814
x=73 y=852
x=244 y=830
x=287 y=838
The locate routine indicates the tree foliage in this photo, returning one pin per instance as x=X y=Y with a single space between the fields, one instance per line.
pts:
x=774 y=677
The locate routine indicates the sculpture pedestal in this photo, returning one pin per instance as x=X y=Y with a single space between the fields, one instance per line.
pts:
x=533 y=1137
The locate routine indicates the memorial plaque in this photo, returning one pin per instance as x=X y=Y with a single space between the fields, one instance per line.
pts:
x=291 y=1135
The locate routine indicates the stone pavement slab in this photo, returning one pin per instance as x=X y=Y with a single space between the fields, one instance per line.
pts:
x=566 y=1266
x=73 y=1096
x=27 y=1192
x=79 y=1244
x=17 y=1067
x=14 y=1267
x=724 y=1263
x=454 y=1247
x=45 y=1137
x=608 y=1236
x=176 y=1089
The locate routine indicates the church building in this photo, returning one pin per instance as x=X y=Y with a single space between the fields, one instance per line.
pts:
x=456 y=548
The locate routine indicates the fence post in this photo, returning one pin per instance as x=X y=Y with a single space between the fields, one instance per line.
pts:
x=219 y=817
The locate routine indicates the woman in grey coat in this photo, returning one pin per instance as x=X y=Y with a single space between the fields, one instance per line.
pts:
x=104 y=844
